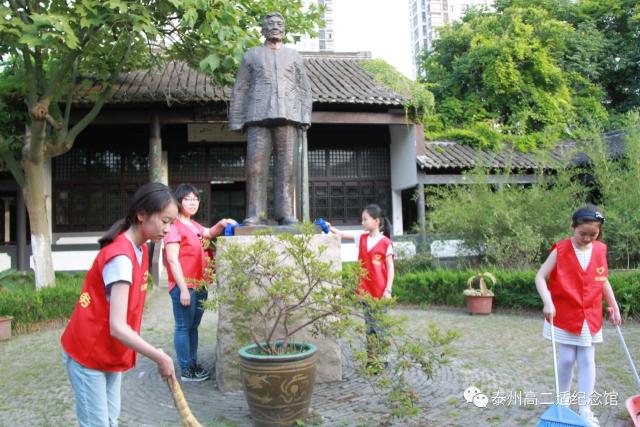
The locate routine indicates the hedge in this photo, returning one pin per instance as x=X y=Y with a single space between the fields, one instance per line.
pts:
x=28 y=305
x=515 y=289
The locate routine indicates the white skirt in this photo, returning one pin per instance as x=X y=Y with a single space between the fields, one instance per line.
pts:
x=585 y=339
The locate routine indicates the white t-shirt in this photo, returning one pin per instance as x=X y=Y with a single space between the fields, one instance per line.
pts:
x=583 y=255
x=120 y=269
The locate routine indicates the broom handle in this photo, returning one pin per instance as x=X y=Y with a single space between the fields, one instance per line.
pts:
x=555 y=362
x=187 y=418
x=626 y=351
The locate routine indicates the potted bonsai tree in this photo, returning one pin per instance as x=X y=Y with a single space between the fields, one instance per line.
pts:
x=277 y=286
x=479 y=296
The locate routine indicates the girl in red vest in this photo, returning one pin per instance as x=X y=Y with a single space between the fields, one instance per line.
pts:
x=103 y=336
x=577 y=279
x=186 y=261
x=375 y=254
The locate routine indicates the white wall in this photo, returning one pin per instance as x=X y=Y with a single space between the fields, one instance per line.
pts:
x=5 y=261
x=71 y=260
x=404 y=171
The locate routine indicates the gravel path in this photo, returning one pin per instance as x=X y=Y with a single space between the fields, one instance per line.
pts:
x=503 y=355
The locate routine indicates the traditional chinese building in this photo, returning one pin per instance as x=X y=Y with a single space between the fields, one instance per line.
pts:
x=171 y=124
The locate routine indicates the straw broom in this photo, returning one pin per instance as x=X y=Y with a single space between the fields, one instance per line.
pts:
x=188 y=420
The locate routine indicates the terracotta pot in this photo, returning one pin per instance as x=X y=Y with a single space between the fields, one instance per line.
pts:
x=278 y=388
x=479 y=304
x=5 y=327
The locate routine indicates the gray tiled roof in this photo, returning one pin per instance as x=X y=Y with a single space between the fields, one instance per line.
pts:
x=447 y=155
x=451 y=155
x=335 y=78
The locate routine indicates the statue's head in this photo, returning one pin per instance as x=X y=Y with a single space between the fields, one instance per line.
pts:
x=273 y=26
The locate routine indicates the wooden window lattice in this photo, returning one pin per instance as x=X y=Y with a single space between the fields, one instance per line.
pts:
x=342 y=182
x=226 y=162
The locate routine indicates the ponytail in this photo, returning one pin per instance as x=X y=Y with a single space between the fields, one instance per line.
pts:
x=375 y=212
x=120 y=226
x=386 y=227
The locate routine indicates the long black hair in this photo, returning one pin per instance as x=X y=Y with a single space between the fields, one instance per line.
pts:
x=150 y=198
x=375 y=212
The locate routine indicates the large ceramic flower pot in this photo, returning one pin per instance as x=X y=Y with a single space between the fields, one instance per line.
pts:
x=479 y=304
x=278 y=388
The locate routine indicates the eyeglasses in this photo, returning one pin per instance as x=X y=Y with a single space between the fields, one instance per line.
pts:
x=190 y=199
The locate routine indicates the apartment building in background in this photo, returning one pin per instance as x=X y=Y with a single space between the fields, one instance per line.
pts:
x=324 y=41
x=426 y=17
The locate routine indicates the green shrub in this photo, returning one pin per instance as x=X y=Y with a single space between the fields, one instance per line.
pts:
x=626 y=287
x=515 y=289
x=20 y=299
x=437 y=286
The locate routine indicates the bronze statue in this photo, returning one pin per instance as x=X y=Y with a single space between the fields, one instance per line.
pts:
x=271 y=102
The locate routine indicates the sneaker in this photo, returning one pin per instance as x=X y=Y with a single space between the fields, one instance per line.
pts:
x=587 y=414
x=189 y=375
x=200 y=371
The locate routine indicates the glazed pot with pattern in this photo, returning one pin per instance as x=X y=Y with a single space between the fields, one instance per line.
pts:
x=278 y=388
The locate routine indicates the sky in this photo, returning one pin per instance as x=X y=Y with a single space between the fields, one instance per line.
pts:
x=378 y=26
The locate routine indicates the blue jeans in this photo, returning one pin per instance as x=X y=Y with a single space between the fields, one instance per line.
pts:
x=97 y=394
x=376 y=333
x=187 y=320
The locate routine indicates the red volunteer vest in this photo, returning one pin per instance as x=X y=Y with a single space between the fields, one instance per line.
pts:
x=87 y=337
x=576 y=293
x=374 y=261
x=192 y=257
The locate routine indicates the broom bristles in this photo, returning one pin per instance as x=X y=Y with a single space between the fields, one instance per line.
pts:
x=561 y=416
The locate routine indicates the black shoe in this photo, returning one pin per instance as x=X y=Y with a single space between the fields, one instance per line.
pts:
x=200 y=371
x=189 y=375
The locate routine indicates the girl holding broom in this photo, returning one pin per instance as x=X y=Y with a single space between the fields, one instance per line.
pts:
x=103 y=336
x=576 y=270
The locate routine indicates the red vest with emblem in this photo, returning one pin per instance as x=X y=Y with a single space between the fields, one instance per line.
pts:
x=87 y=338
x=192 y=257
x=577 y=293
x=375 y=262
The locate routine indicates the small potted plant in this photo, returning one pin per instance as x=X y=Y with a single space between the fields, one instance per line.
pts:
x=276 y=286
x=480 y=296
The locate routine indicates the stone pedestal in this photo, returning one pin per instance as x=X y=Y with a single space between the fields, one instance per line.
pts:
x=329 y=356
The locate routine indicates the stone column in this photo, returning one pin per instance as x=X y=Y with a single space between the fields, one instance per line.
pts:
x=422 y=233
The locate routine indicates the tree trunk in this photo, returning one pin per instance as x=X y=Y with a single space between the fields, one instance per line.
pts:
x=34 y=197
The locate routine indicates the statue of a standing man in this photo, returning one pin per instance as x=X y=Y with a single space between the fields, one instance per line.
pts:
x=271 y=101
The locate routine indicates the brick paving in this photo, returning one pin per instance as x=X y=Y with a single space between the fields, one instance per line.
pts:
x=503 y=355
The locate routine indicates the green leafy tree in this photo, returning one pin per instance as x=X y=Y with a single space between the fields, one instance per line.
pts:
x=505 y=71
x=605 y=46
x=51 y=45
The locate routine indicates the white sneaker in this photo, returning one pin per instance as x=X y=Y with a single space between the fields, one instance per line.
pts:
x=587 y=414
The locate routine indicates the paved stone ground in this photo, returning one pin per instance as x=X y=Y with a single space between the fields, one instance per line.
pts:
x=503 y=355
